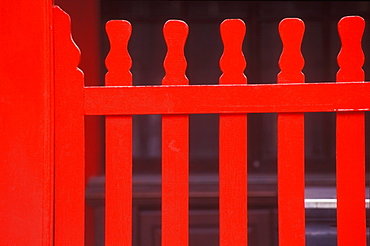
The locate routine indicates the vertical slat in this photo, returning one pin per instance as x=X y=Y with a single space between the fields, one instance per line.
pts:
x=233 y=142
x=291 y=211
x=69 y=137
x=118 y=173
x=90 y=64
x=175 y=167
x=350 y=153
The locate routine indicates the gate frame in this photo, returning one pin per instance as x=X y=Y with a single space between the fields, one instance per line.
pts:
x=26 y=92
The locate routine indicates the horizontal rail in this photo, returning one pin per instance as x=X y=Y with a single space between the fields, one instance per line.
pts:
x=208 y=99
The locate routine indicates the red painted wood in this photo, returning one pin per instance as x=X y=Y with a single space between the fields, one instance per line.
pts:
x=26 y=123
x=175 y=149
x=87 y=38
x=69 y=137
x=291 y=211
x=27 y=216
x=118 y=170
x=267 y=98
x=233 y=142
x=351 y=214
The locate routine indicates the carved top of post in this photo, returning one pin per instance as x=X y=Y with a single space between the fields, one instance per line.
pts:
x=291 y=61
x=351 y=57
x=68 y=51
x=118 y=61
x=175 y=34
x=232 y=62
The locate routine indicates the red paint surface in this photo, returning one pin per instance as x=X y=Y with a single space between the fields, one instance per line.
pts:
x=27 y=149
x=118 y=170
x=351 y=213
x=87 y=37
x=85 y=15
x=26 y=123
x=291 y=211
x=233 y=142
x=175 y=144
x=267 y=98
x=290 y=98
x=69 y=137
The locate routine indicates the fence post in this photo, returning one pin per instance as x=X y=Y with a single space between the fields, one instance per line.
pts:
x=350 y=132
x=175 y=149
x=118 y=175
x=291 y=211
x=233 y=142
x=69 y=137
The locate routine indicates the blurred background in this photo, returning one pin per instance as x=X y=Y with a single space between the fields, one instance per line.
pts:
x=262 y=48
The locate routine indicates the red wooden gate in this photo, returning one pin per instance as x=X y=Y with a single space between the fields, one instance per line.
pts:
x=232 y=99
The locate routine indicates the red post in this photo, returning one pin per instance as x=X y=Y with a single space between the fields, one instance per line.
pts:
x=69 y=137
x=26 y=125
x=175 y=144
x=233 y=142
x=85 y=15
x=350 y=153
x=118 y=174
x=291 y=211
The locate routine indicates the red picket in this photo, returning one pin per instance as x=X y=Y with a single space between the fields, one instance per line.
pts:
x=175 y=149
x=350 y=153
x=69 y=136
x=233 y=142
x=118 y=170
x=291 y=211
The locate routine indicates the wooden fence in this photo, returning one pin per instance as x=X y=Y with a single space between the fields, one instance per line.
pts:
x=232 y=99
